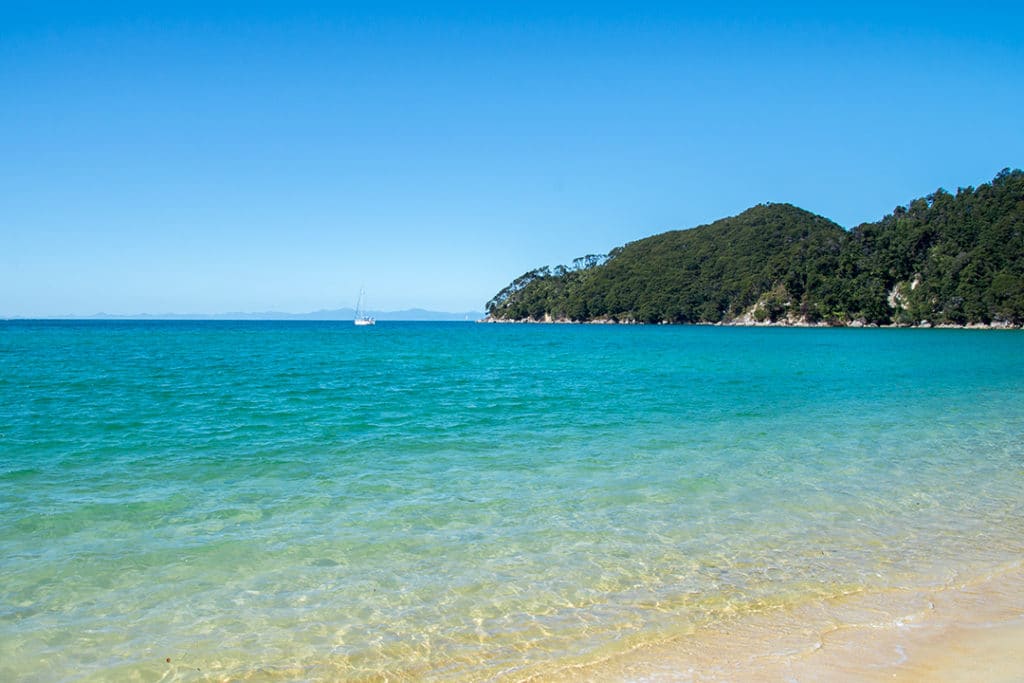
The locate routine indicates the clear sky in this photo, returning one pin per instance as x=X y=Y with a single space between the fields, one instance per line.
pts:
x=205 y=157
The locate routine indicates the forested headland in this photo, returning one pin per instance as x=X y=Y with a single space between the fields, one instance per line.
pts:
x=943 y=259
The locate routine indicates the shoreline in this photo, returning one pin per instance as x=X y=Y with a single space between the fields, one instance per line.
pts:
x=856 y=324
x=965 y=632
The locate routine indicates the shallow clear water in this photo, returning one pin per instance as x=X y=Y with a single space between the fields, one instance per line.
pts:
x=314 y=500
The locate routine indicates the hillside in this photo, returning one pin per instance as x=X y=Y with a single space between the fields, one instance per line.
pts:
x=942 y=259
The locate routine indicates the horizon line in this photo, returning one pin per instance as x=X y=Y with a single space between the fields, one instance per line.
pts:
x=323 y=314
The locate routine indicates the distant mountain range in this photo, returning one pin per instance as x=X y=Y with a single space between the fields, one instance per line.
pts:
x=411 y=314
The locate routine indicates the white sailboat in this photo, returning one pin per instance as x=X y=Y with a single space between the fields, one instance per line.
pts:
x=361 y=317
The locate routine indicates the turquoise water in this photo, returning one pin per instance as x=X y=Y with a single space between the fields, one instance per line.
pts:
x=317 y=501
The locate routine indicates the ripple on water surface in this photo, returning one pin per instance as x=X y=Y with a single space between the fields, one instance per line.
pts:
x=465 y=501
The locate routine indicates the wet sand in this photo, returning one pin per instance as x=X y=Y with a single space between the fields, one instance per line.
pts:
x=969 y=631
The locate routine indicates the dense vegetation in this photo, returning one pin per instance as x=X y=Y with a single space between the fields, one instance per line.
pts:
x=943 y=259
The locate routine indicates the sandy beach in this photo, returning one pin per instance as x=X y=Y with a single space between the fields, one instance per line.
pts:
x=971 y=631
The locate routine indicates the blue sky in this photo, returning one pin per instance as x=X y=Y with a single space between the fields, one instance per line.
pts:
x=204 y=157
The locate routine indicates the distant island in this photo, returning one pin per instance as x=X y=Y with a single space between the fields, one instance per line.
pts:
x=943 y=260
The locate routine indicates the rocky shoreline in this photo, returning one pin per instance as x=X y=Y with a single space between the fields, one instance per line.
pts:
x=749 y=322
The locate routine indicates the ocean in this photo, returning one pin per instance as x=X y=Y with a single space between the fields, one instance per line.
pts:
x=451 y=501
